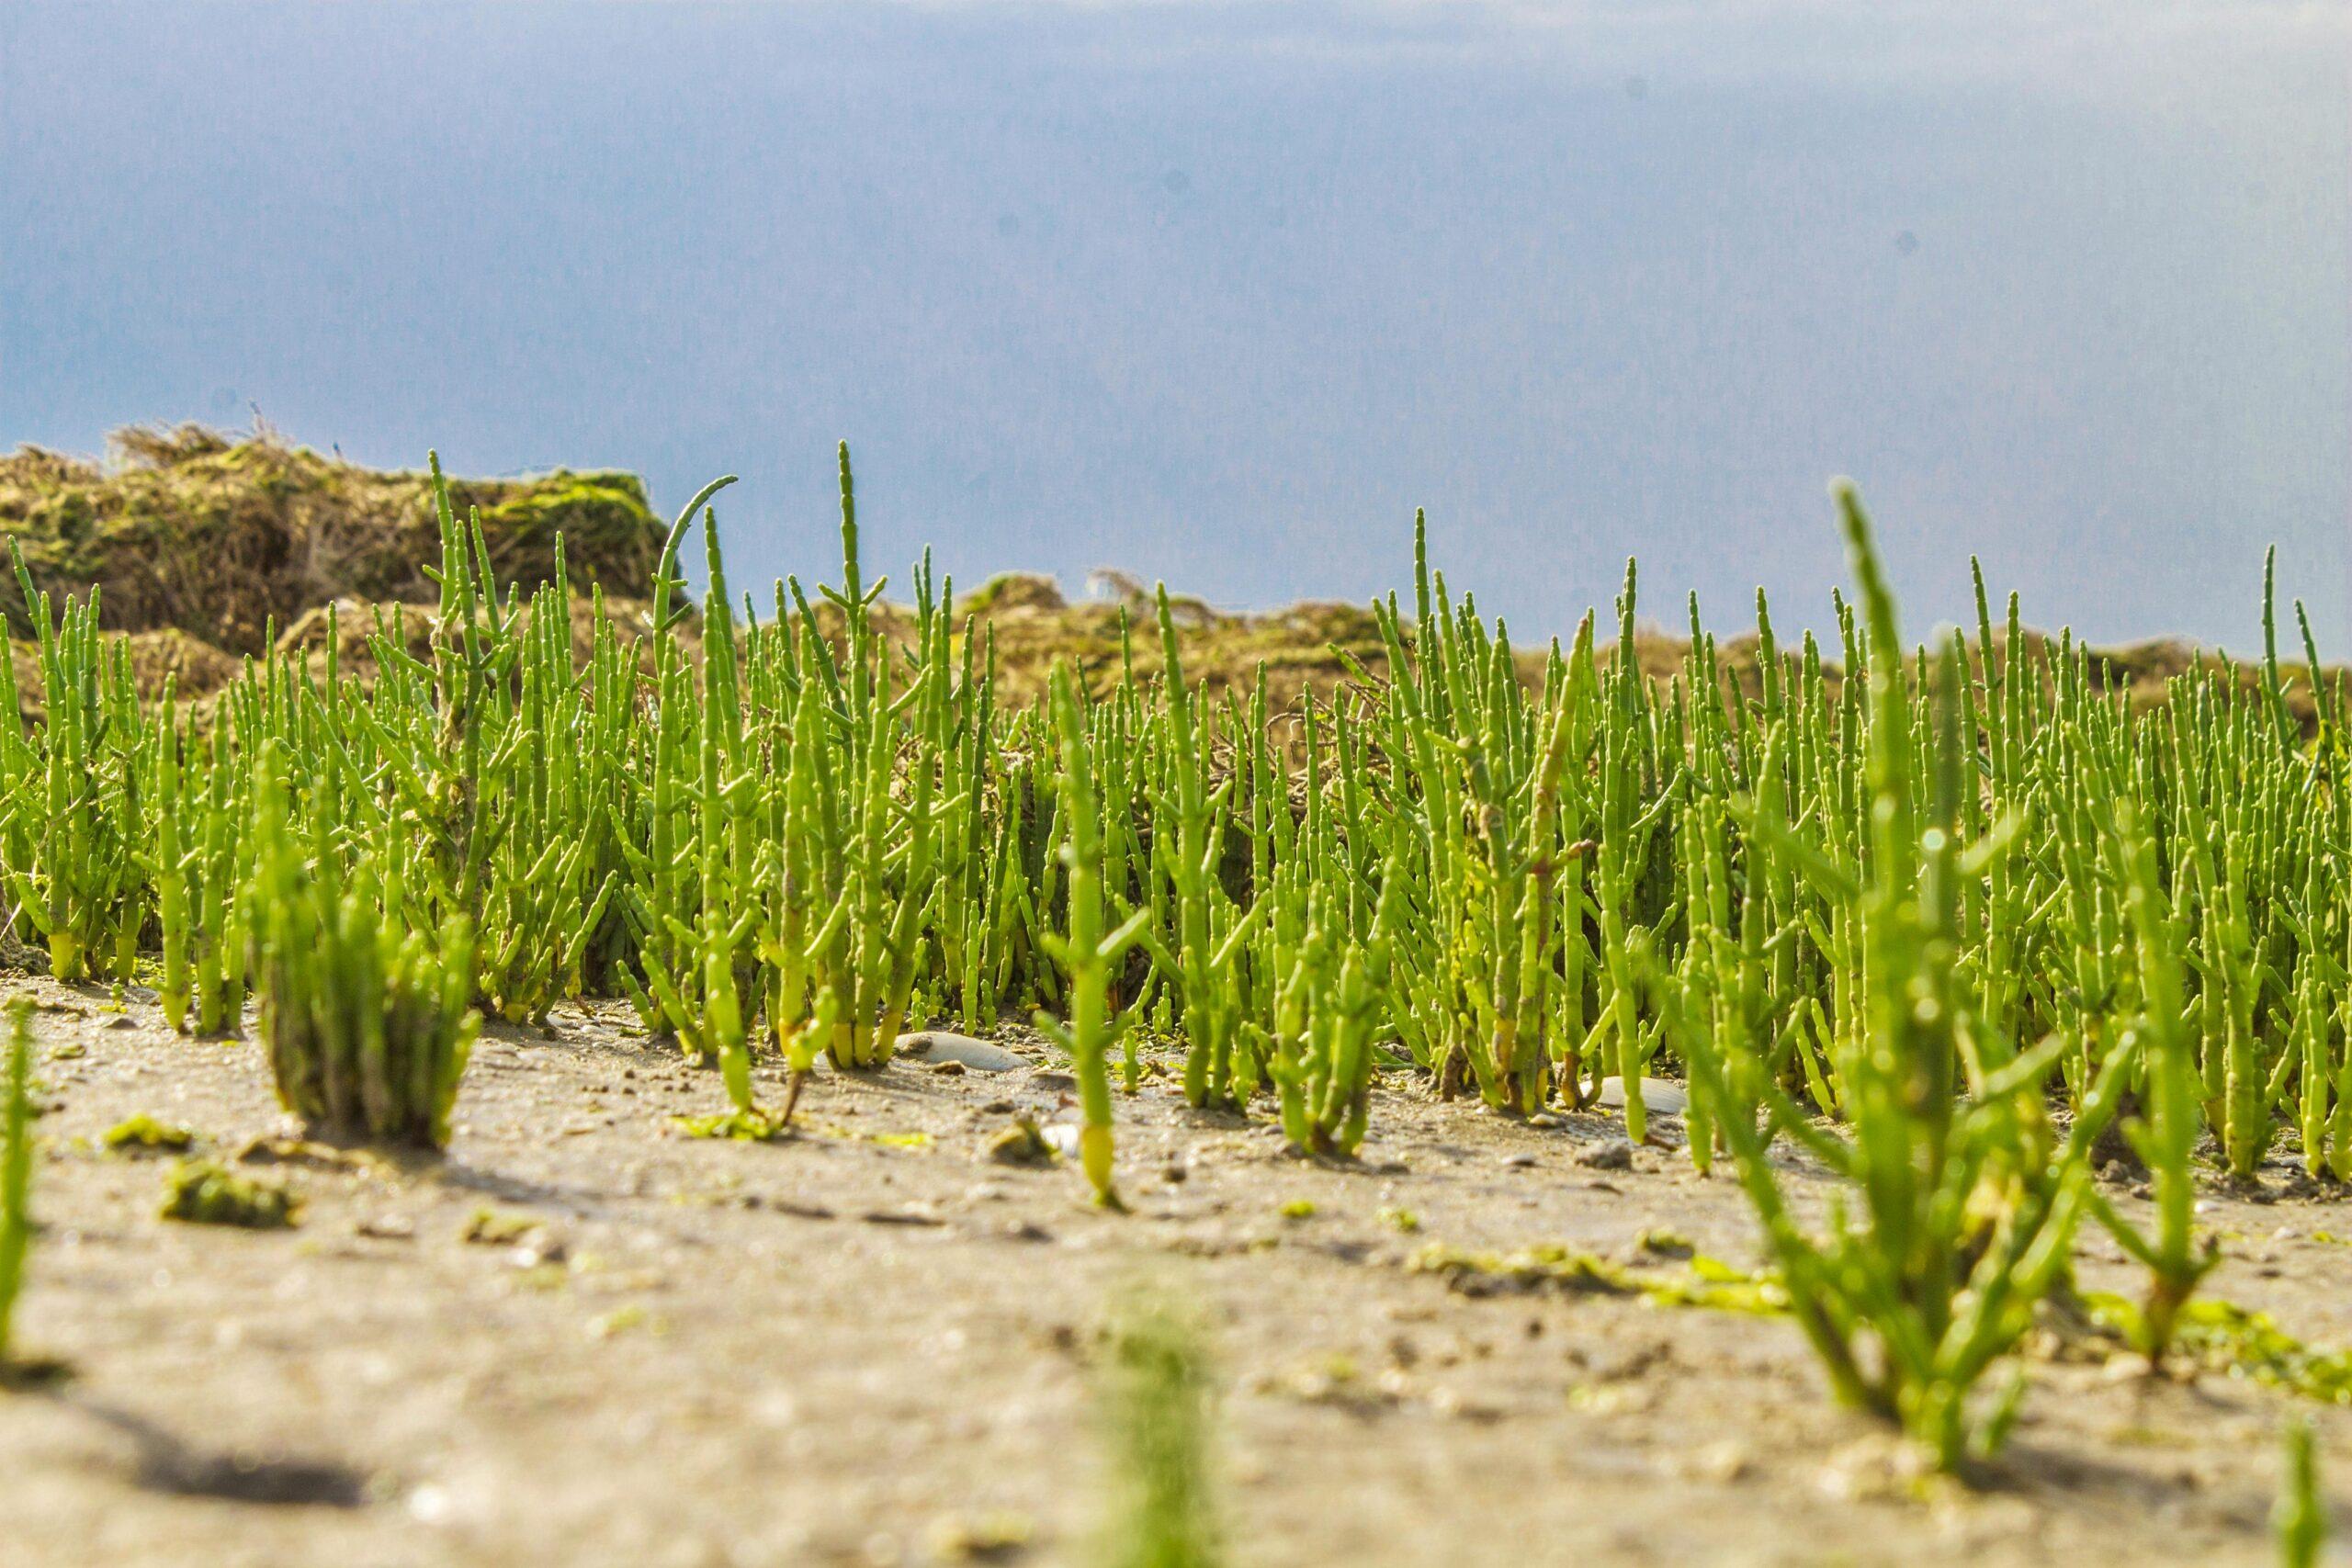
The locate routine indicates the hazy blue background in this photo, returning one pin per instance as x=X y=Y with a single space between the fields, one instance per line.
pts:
x=1219 y=293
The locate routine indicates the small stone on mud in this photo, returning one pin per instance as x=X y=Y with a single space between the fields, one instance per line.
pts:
x=388 y=1227
x=1450 y=1402
x=1521 y=1161
x=1022 y=1144
x=1615 y=1155
x=1047 y=1078
x=1727 y=1460
x=937 y=1046
x=948 y=1069
x=990 y=1538
x=538 y=1250
x=1660 y=1097
x=1881 y=1466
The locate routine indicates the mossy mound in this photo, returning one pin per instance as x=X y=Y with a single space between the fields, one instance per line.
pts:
x=201 y=543
x=189 y=529
x=1011 y=591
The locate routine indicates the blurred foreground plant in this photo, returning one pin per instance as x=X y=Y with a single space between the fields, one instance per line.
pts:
x=1156 y=1402
x=15 y=1167
x=2300 y=1515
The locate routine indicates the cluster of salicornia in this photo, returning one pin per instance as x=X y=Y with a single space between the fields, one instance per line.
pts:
x=1942 y=915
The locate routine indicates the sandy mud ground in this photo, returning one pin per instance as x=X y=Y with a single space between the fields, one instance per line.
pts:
x=869 y=1344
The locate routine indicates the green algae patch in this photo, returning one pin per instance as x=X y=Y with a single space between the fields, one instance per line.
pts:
x=1705 y=1283
x=997 y=1536
x=143 y=1135
x=882 y=1140
x=1531 y=1270
x=488 y=1227
x=1717 y=1286
x=204 y=1192
x=739 y=1126
x=1661 y=1243
x=2222 y=1337
x=624 y=1320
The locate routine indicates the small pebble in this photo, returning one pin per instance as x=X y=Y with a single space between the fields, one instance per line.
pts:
x=1023 y=1144
x=1614 y=1154
x=938 y=1045
x=537 y=1249
x=1660 y=1097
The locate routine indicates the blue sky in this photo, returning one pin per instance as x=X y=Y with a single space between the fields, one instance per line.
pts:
x=1221 y=293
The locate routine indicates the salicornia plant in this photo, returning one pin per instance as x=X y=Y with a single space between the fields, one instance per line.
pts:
x=366 y=1022
x=1960 y=1210
x=1087 y=950
x=70 y=798
x=2164 y=1135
